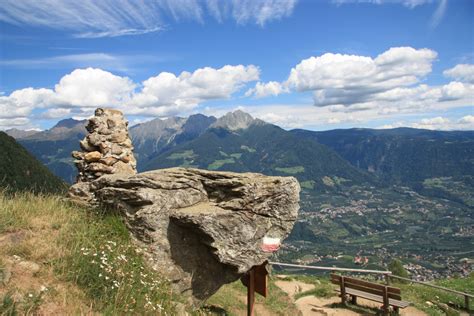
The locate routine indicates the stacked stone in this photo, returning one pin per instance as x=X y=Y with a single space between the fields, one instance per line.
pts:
x=107 y=149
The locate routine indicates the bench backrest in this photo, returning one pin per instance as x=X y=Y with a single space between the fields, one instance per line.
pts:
x=366 y=286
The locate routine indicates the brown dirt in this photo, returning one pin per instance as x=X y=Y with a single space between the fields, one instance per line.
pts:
x=294 y=287
x=25 y=256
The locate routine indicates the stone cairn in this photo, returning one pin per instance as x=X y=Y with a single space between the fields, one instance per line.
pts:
x=107 y=149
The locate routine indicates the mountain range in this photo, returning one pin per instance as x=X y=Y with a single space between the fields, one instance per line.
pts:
x=401 y=190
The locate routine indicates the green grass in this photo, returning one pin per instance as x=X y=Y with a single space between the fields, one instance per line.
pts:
x=226 y=298
x=419 y=295
x=226 y=301
x=291 y=170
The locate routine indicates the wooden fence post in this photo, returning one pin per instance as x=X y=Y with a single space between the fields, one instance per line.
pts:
x=251 y=292
x=386 y=305
x=343 y=291
x=387 y=278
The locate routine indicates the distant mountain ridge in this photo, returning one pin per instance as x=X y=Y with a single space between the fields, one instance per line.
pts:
x=402 y=155
x=394 y=156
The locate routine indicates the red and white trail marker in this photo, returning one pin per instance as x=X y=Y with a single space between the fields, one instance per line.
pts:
x=270 y=244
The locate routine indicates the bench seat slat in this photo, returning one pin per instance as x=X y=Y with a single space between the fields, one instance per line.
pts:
x=376 y=298
x=336 y=279
x=371 y=290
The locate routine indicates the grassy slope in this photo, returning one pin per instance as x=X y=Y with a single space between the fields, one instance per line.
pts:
x=85 y=262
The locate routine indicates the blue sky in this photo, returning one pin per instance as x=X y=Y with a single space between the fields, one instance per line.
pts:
x=306 y=64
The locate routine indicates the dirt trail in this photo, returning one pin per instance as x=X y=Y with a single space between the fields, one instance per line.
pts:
x=312 y=305
x=294 y=287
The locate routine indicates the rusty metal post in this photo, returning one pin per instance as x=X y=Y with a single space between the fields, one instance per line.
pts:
x=251 y=292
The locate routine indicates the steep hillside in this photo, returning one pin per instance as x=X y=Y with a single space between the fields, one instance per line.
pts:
x=20 y=171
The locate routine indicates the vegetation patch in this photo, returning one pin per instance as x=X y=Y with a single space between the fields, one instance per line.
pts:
x=307 y=184
x=219 y=163
x=291 y=170
x=236 y=155
x=247 y=148
x=438 y=302
x=231 y=300
x=187 y=154
x=328 y=181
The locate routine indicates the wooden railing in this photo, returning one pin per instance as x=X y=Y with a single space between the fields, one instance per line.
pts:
x=329 y=268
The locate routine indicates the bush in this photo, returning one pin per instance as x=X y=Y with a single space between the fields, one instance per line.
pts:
x=396 y=267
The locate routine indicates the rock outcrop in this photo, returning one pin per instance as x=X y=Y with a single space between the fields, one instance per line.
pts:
x=201 y=229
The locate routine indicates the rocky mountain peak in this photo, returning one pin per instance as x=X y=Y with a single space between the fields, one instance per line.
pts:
x=235 y=120
x=157 y=128
x=69 y=123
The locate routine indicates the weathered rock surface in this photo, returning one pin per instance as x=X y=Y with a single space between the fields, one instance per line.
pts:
x=201 y=229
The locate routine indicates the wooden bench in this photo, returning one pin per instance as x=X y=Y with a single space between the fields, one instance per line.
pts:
x=387 y=295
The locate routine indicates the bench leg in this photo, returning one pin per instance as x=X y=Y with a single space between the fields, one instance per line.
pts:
x=396 y=310
x=354 y=299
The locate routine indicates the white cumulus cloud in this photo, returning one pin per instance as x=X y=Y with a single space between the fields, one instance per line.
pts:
x=468 y=119
x=189 y=89
x=261 y=89
x=461 y=72
x=82 y=90
x=388 y=84
x=93 y=87
x=351 y=79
